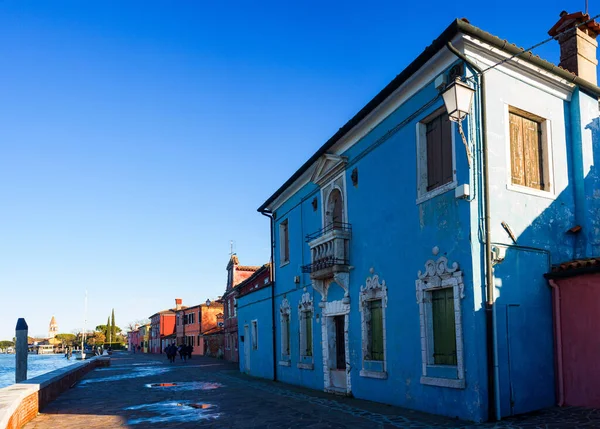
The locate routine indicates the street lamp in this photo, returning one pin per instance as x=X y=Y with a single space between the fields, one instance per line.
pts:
x=458 y=97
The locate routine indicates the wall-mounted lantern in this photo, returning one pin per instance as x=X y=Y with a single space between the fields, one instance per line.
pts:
x=208 y=302
x=458 y=97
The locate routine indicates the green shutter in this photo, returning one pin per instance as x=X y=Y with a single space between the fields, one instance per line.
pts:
x=376 y=334
x=308 y=319
x=444 y=327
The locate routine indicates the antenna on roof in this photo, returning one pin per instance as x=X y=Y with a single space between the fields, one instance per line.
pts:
x=231 y=246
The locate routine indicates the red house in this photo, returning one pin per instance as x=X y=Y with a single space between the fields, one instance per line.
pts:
x=162 y=325
x=133 y=339
x=236 y=274
x=576 y=294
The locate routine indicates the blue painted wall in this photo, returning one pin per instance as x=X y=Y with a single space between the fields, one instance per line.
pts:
x=395 y=236
x=256 y=306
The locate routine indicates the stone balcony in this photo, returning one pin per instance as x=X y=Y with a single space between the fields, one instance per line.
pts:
x=329 y=251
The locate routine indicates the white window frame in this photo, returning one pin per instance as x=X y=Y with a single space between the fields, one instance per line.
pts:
x=547 y=158
x=234 y=306
x=422 y=193
x=438 y=275
x=254 y=334
x=282 y=242
x=339 y=183
x=306 y=306
x=285 y=311
x=373 y=290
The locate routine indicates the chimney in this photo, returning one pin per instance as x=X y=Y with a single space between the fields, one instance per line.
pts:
x=178 y=304
x=577 y=47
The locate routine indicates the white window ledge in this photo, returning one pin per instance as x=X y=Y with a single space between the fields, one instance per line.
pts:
x=306 y=366
x=443 y=382
x=437 y=191
x=285 y=363
x=284 y=263
x=382 y=375
x=530 y=191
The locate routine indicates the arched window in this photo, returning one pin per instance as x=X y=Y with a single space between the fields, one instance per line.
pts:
x=335 y=210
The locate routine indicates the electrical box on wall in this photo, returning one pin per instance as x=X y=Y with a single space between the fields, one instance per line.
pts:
x=462 y=191
x=297 y=279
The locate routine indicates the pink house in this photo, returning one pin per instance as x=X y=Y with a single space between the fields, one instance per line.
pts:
x=576 y=295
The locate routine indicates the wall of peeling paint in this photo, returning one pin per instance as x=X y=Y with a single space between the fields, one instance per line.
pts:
x=394 y=236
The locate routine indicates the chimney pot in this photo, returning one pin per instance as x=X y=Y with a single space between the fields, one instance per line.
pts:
x=178 y=302
x=577 y=44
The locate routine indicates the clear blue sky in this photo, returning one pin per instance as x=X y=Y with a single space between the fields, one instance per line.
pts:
x=138 y=138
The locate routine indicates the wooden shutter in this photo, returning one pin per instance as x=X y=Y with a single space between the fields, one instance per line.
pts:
x=526 y=155
x=444 y=327
x=309 y=341
x=439 y=152
x=376 y=334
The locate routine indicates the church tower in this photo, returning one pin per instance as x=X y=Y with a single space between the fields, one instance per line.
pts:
x=53 y=330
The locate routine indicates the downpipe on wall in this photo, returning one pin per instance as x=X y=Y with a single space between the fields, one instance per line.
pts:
x=272 y=279
x=491 y=339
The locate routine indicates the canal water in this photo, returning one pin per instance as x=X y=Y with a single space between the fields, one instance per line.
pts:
x=36 y=365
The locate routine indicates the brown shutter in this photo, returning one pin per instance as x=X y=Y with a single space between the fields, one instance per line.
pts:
x=517 y=160
x=526 y=157
x=446 y=147
x=533 y=154
x=434 y=140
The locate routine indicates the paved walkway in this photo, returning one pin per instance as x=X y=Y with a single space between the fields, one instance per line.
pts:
x=145 y=391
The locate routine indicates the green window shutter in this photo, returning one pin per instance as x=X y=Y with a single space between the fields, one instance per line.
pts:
x=376 y=334
x=444 y=327
x=287 y=336
x=308 y=320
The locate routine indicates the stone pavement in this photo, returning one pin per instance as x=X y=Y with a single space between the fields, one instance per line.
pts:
x=145 y=391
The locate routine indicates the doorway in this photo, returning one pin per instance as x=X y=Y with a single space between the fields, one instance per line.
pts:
x=335 y=348
x=247 y=342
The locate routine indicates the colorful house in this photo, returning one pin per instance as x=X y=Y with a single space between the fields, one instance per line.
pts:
x=409 y=250
x=144 y=337
x=255 y=323
x=162 y=330
x=133 y=339
x=236 y=273
x=192 y=322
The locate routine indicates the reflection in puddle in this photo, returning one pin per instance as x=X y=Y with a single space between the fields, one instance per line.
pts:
x=186 y=385
x=136 y=373
x=172 y=411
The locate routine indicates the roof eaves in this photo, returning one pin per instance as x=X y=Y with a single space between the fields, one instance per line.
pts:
x=457 y=26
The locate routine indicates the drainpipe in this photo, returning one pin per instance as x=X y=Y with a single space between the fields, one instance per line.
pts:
x=558 y=333
x=272 y=279
x=491 y=339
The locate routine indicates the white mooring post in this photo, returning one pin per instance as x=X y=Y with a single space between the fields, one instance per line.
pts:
x=21 y=351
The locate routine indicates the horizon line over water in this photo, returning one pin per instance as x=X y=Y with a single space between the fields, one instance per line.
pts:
x=36 y=365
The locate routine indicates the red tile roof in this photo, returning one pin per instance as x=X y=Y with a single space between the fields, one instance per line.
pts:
x=575 y=267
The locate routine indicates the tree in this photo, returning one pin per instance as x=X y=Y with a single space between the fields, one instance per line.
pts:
x=108 y=330
x=113 y=330
x=67 y=339
x=97 y=338
x=6 y=344
x=131 y=326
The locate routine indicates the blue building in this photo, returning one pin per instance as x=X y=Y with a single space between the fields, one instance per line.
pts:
x=409 y=250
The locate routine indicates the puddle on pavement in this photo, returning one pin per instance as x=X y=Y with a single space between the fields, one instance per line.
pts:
x=187 y=385
x=135 y=373
x=173 y=411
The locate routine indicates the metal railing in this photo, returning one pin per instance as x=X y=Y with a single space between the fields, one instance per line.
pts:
x=323 y=263
x=333 y=226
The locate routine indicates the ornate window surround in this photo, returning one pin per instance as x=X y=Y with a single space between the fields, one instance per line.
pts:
x=285 y=310
x=439 y=275
x=373 y=290
x=305 y=306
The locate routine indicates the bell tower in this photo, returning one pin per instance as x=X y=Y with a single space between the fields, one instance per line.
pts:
x=53 y=329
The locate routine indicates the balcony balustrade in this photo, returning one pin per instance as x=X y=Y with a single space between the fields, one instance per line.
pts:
x=329 y=250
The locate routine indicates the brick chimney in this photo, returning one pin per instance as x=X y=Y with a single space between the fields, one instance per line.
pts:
x=577 y=47
x=178 y=302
